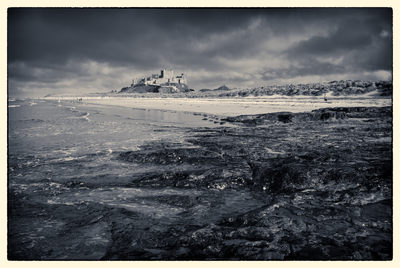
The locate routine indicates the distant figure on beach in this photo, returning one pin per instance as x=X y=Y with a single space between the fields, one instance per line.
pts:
x=325 y=98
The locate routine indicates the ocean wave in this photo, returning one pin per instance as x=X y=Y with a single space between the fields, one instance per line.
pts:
x=79 y=114
x=66 y=151
x=85 y=116
x=67 y=159
x=14 y=106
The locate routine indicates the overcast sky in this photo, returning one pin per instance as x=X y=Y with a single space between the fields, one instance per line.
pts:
x=97 y=50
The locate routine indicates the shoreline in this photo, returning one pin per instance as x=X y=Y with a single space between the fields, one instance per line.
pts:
x=233 y=107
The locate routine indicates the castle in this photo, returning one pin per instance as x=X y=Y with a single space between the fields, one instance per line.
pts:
x=165 y=77
x=165 y=82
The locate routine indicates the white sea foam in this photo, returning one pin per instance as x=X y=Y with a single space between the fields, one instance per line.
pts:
x=70 y=158
x=273 y=152
x=86 y=116
x=55 y=184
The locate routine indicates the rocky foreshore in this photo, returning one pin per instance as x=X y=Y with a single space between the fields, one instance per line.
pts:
x=315 y=115
x=281 y=186
x=325 y=179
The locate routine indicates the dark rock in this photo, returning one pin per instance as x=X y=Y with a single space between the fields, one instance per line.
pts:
x=140 y=89
x=285 y=117
x=222 y=88
x=315 y=115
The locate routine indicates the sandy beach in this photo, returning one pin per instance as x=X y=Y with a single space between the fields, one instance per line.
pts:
x=240 y=106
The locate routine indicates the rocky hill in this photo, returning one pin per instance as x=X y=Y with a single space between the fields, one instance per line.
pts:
x=165 y=88
x=216 y=89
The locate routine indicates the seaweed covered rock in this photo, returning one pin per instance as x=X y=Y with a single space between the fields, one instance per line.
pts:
x=315 y=115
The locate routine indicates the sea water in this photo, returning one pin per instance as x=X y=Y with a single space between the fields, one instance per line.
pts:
x=54 y=140
x=52 y=145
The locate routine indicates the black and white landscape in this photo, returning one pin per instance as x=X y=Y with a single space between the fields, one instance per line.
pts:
x=200 y=134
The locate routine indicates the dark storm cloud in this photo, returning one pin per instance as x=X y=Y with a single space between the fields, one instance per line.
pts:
x=356 y=44
x=228 y=45
x=351 y=34
x=109 y=34
x=125 y=34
